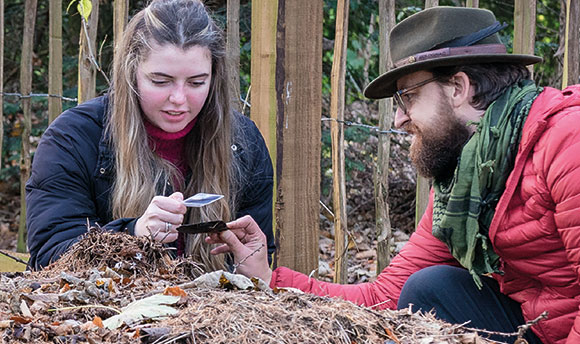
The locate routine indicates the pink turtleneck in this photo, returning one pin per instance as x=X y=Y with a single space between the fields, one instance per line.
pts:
x=169 y=146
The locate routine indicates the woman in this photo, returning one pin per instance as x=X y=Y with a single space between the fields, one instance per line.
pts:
x=165 y=131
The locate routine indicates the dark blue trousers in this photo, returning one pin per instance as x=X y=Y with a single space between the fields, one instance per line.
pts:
x=454 y=297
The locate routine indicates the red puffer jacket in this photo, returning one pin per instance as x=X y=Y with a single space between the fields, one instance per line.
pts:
x=535 y=231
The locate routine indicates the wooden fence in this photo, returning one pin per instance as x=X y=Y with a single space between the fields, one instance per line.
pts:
x=286 y=96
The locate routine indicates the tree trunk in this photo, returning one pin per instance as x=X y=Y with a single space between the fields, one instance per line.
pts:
x=25 y=90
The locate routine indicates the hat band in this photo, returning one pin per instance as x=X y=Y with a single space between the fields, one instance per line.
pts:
x=446 y=52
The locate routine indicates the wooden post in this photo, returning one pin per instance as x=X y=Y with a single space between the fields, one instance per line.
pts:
x=263 y=70
x=571 y=69
x=55 y=59
x=263 y=76
x=423 y=184
x=472 y=3
x=299 y=90
x=120 y=15
x=337 y=79
x=233 y=51
x=87 y=56
x=383 y=222
x=25 y=90
x=1 y=79
x=431 y=3
x=524 y=27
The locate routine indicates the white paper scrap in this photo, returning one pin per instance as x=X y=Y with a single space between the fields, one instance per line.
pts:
x=201 y=199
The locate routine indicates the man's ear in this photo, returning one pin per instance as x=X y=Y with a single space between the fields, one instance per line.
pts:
x=461 y=89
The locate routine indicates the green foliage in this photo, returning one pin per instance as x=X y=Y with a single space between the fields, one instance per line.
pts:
x=362 y=56
x=12 y=145
x=84 y=8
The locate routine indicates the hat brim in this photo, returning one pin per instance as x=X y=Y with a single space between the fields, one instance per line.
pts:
x=386 y=84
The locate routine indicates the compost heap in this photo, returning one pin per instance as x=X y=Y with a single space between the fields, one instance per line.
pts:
x=116 y=288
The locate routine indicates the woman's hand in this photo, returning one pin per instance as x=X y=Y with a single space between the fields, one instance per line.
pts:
x=247 y=242
x=162 y=217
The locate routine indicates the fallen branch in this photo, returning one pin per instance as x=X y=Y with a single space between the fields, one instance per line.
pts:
x=15 y=258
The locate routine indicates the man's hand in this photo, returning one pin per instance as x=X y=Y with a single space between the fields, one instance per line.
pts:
x=247 y=242
x=162 y=217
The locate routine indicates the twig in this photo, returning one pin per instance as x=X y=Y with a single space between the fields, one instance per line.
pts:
x=380 y=303
x=245 y=258
x=91 y=55
x=15 y=258
x=246 y=100
x=523 y=328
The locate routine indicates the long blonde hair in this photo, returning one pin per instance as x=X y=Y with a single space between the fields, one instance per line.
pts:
x=140 y=173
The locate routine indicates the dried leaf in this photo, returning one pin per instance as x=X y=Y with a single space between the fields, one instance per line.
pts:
x=38 y=306
x=25 y=310
x=175 y=291
x=277 y=290
x=224 y=280
x=20 y=320
x=5 y=323
x=46 y=298
x=366 y=254
x=148 y=308
x=63 y=330
x=391 y=335
x=98 y=322
x=65 y=288
x=87 y=326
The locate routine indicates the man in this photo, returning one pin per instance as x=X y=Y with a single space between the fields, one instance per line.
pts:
x=500 y=241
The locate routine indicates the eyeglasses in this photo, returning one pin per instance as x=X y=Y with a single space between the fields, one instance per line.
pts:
x=398 y=96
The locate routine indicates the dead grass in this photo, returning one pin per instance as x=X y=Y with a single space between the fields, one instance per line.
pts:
x=105 y=272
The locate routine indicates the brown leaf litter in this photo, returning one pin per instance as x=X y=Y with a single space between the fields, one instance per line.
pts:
x=105 y=272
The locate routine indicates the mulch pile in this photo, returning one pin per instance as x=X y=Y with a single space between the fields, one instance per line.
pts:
x=71 y=300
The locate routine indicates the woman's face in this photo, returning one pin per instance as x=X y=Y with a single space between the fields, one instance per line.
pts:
x=173 y=85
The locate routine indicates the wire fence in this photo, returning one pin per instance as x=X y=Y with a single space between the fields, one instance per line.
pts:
x=45 y=95
x=372 y=128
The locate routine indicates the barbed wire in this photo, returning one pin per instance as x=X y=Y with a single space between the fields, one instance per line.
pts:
x=366 y=126
x=45 y=95
x=347 y=123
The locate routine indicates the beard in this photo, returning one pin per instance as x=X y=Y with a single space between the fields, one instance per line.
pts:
x=435 y=150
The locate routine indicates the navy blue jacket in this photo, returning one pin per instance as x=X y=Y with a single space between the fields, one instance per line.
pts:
x=73 y=172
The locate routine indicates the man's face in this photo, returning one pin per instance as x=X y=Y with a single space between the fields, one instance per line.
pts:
x=439 y=135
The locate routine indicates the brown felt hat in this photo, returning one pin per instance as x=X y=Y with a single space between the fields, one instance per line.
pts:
x=443 y=36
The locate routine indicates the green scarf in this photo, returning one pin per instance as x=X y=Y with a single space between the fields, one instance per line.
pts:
x=465 y=205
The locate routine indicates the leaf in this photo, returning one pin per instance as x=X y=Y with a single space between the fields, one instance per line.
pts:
x=25 y=310
x=65 y=288
x=85 y=7
x=223 y=280
x=20 y=320
x=175 y=291
x=98 y=322
x=147 y=308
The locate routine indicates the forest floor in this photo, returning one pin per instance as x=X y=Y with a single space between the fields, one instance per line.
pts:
x=117 y=288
